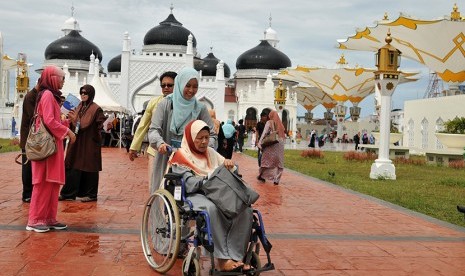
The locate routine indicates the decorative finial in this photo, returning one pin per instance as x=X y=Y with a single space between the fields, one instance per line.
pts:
x=386 y=17
x=388 y=37
x=172 y=8
x=72 y=9
x=270 y=18
x=211 y=49
x=342 y=60
x=455 y=14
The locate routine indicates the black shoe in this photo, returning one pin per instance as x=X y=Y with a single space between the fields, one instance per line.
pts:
x=261 y=179
x=276 y=183
x=27 y=200
x=61 y=198
x=461 y=209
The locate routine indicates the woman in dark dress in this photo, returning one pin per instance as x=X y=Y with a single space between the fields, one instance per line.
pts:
x=84 y=158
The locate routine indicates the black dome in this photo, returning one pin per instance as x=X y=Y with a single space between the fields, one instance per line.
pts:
x=72 y=46
x=208 y=66
x=263 y=56
x=170 y=32
x=114 y=65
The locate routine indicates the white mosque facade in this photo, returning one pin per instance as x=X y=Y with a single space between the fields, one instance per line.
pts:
x=133 y=76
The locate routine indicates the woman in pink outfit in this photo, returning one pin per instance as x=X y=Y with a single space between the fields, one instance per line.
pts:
x=272 y=163
x=49 y=174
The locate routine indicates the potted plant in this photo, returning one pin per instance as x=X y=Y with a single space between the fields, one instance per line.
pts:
x=453 y=134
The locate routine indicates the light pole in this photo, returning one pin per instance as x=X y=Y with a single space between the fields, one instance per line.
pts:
x=386 y=79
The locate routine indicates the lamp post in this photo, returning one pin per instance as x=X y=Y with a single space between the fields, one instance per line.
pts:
x=386 y=79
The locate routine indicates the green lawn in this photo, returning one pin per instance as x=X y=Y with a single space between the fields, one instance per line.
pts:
x=427 y=189
x=7 y=145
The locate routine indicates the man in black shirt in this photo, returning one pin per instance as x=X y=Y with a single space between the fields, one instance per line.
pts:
x=240 y=134
x=29 y=104
x=260 y=127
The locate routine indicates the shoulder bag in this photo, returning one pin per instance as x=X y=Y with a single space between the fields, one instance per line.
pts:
x=40 y=144
x=270 y=138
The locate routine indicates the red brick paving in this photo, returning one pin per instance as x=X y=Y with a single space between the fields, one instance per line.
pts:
x=315 y=228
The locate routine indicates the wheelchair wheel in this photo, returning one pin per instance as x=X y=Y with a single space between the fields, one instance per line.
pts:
x=193 y=269
x=255 y=262
x=160 y=231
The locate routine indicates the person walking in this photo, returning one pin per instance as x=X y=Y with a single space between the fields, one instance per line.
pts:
x=240 y=134
x=357 y=140
x=167 y=86
x=272 y=164
x=172 y=114
x=84 y=158
x=229 y=132
x=260 y=127
x=29 y=104
x=49 y=174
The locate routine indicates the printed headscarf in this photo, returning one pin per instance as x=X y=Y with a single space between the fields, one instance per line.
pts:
x=190 y=158
x=184 y=110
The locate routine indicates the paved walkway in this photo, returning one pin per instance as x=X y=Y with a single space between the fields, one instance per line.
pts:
x=315 y=227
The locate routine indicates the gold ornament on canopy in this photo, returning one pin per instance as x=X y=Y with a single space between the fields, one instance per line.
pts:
x=438 y=44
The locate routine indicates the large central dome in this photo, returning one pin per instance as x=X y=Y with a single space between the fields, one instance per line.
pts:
x=72 y=46
x=170 y=32
x=263 y=56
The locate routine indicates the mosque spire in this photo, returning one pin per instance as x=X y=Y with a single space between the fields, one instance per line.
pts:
x=72 y=9
x=172 y=8
x=270 y=19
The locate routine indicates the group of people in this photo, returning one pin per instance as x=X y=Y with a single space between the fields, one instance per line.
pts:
x=174 y=122
x=76 y=163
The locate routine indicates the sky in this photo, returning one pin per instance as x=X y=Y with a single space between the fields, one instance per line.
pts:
x=308 y=30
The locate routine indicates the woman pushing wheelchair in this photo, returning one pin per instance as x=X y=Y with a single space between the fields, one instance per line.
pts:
x=196 y=162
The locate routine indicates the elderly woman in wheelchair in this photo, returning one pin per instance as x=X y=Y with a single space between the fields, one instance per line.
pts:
x=231 y=240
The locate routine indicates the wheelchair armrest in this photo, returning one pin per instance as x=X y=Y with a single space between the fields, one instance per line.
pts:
x=173 y=176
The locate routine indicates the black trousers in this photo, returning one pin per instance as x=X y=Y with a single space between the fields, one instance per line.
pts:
x=26 y=175
x=80 y=184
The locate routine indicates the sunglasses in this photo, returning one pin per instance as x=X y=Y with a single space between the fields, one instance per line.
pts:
x=167 y=85
x=83 y=92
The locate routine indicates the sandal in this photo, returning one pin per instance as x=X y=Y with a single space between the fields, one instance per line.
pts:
x=88 y=199
x=231 y=266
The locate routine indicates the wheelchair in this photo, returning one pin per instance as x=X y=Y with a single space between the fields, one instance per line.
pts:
x=169 y=222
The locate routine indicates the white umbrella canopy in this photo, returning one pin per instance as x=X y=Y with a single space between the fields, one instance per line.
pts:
x=310 y=97
x=438 y=44
x=341 y=84
x=103 y=97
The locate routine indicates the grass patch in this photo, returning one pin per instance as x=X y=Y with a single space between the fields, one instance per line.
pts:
x=431 y=190
x=8 y=145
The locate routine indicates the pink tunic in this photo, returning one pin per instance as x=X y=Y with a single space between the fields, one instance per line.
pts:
x=52 y=169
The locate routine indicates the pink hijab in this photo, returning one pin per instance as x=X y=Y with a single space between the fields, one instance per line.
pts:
x=274 y=116
x=50 y=79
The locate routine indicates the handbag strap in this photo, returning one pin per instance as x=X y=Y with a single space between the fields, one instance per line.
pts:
x=272 y=128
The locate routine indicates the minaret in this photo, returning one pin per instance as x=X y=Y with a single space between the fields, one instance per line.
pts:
x=125 y=56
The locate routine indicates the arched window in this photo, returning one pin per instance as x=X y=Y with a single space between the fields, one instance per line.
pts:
x=424 y=133
x=411 y=133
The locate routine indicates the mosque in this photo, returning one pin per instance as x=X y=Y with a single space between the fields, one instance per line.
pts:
x=133 y=77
